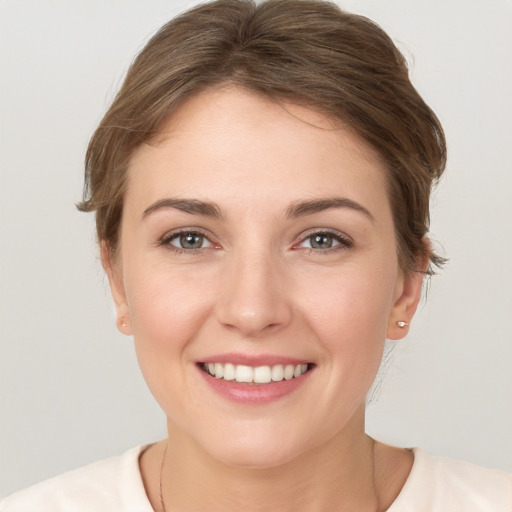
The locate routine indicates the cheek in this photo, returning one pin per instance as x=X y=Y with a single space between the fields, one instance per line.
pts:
x=166 y=307
x=350 y=318
x=353 y=304
x=167 y=310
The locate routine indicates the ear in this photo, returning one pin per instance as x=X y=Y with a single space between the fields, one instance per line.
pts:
x=115 y=278
x=407 y=297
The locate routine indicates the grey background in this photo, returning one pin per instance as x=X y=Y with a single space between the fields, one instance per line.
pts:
x=71 y=391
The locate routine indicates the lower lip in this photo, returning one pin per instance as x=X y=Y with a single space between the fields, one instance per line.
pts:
x=254 y=393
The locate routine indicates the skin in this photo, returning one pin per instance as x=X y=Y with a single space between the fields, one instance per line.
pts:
x=256 y=286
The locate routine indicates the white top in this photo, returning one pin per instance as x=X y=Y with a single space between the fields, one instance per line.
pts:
x=435 y=484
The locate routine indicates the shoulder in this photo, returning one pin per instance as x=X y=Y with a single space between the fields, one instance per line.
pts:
x=113 y=484
x=438 y=484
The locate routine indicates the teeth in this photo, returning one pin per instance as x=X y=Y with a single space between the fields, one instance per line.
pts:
x=229 y=371
x=219 y=370
x=289 y=370
x=243 y=373
x=258 y=375
x=299 y=370
x=262 y=374
x=277 y=372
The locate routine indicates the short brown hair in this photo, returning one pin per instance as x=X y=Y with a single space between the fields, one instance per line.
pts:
x=307 y=51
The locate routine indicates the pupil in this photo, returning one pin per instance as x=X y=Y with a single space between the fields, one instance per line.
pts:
x=191 y=241
x=321 y=241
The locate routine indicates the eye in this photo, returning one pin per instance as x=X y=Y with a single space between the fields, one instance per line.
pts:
x=325 y=240
x=188 y=240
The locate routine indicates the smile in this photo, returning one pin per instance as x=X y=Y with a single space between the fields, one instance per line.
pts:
x=254 y=375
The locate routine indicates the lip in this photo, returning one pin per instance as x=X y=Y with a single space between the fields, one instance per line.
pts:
x=253 y=394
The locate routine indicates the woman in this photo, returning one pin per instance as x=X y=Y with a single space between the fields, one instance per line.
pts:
x=261 y=186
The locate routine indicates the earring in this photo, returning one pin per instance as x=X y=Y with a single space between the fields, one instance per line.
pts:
x=401 y=324
x=122 y=321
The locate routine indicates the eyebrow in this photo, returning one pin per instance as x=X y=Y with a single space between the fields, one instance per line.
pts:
x=193 y=206
x=296 y=209
x=301 y=208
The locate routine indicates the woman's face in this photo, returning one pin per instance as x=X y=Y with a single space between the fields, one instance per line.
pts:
x=257 y=239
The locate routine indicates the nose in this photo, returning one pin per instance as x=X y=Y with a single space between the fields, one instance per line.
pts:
x=253 y=298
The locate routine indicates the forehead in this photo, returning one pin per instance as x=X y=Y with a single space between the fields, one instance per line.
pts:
x=234 y=144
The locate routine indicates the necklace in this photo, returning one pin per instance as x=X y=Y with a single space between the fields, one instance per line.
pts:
x=374 y=485
x=162 y=503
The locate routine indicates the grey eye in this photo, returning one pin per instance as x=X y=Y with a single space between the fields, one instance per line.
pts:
x=321 y=241
x=190 y=241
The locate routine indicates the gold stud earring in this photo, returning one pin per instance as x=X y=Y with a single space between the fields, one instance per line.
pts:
x=401 y=324
x=122 y=321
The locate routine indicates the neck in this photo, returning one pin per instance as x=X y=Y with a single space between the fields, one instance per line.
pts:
x=340 y=472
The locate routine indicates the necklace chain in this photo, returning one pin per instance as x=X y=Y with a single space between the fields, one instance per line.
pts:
x=375 y=493
x=162 y=503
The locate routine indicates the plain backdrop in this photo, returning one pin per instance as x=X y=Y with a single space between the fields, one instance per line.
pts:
x=71 y=391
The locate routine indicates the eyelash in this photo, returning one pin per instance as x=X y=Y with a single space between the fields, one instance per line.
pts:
x=343 y=242
x=166 y=240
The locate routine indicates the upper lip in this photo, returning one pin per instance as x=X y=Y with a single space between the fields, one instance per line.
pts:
x=253 y=360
